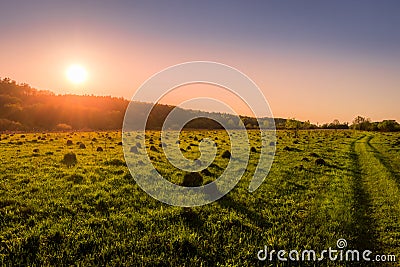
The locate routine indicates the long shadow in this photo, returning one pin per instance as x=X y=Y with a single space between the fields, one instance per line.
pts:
x=193 y=219
x=384 y=161
x=256 y=218
x=363 y=227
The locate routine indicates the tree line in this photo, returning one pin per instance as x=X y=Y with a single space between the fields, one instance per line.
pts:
x=359 y=123
x=23 y=108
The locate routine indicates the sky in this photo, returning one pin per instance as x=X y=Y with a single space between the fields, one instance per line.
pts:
x=313 y=60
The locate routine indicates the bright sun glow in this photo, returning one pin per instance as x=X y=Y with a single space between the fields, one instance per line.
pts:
x=76 y=74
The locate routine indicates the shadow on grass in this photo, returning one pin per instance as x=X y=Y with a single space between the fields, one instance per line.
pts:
x=228 y=202
x=384 y=161
x=191 y=218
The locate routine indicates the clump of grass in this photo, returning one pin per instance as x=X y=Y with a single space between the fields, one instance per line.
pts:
x=36 y=150
x=211 y=190
x=153 y=148
x=70 y=159
x=253 y=149
x=320 y=162
x=69 y=143
x=226 y=154
x=192 y=179
x=197 y=162
x=82 y=146
x=134 y=149
x=56 y=238
x=99 y=149
x=75 y=178
x=206 y=172
x=287 y=148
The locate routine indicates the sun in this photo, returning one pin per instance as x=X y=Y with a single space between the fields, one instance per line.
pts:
x=76 y=74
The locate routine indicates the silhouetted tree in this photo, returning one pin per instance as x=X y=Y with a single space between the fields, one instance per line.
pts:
x=388 y=126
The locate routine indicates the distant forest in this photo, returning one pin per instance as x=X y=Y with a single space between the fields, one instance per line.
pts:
x=23 y=108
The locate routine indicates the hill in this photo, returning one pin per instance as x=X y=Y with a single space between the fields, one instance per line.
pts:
x=23 y=108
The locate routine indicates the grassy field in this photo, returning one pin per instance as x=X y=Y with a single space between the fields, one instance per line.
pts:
x=93 y=213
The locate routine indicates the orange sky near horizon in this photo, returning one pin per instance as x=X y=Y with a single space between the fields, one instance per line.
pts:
x=319 y=82
x=184 y=93
x=305 y=87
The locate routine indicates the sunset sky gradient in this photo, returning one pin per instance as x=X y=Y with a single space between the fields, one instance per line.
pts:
x=314 y=60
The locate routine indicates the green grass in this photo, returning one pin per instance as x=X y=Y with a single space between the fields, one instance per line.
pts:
x=93 y=213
